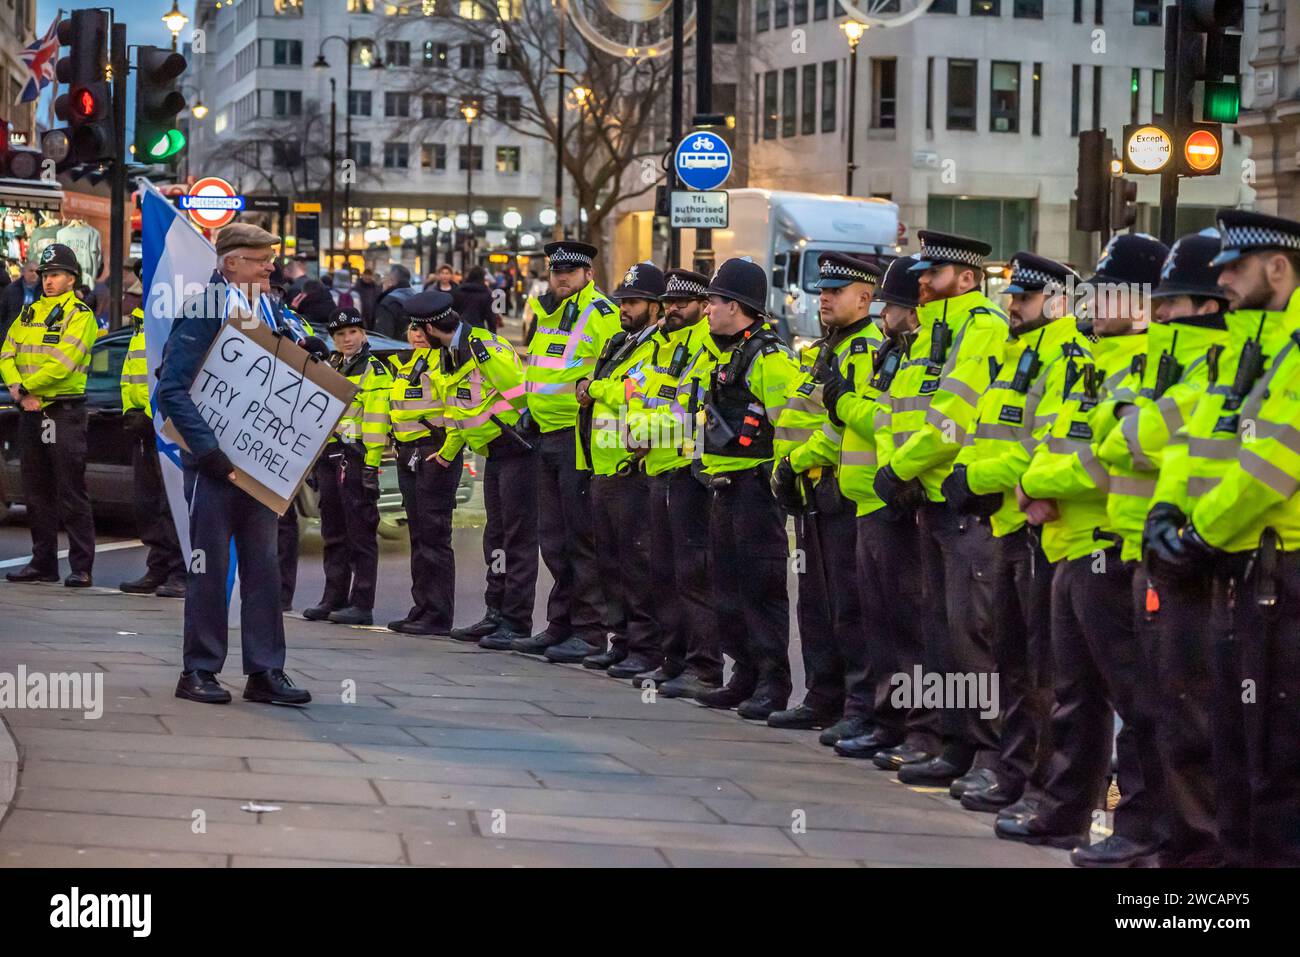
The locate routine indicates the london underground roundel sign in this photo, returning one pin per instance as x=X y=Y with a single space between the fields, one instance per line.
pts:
x=1149 y=149
x=211 y=202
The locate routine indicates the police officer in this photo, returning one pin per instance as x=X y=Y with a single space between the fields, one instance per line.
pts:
x=1013 y=415
x=751 y=373
x=829 y=610
x=347 y=477
x=219 y=511
x=1235 y=537
x=43 y=362
x=961 y=338
x=619 y=488
x=164 y=567
x=482 y=381
x=574 y=320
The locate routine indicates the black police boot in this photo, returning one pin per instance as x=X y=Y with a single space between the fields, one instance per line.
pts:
x=503 y=639
x=571 y=651
x=172 y=588
x=274 y=687
x=1029 y=830
x=318 y=612
x=652 y=676
x=414 y=626
x=535 y=645
x=800 y=718
x=891 y=759
x=992 y=798
x=630 y=667
x=724 y=698
x=144 y=585
x=687 y=685
x=937 y=772
x=1027 y=806
x=352 y=615
x=847 y=727
x=31 y=574
x=979 y=779
x=201 y=686
x=490 y=623
x=865 y=746
x=1114 y=851
x=78 y=580
x=601 y=660
x=761 y=705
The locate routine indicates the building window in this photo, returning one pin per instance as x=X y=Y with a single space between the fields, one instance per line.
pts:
x=762 y=15
x=433 y=106
x=726 y=21
x=471 y=158
x=1157 y=94
x=509 y=108
x=943 y=6
x=285 y=155
x=286 y=53
x=435 y=54
x=961 y=94
x=1135 y=93
x=724 y=100
x=821 y=9
x=1078 y=11
x=471 y=56
x=359 y=103
x=397 y=104
x=507 y=159
x=286 y=102
x=1028 y=9
x=986 y=8
x=398 y=53
x=808 y=114
x=758 y=95
x=1037 y=97
x=929 y=93
x=789 y=97
x=1097 y=11
x=1003 y=223
x=780 y=14
x=1096 y=97
x=884 y=93
x=1146 y=13
x=1075 y=96
x=397 y=155
x=361 y=6
x=800 y=11
x=830 y=96
x=361 y=153
x=363 y=52
x=288 y=8
x=433 y=156
x=503 y=59
x=769 y=105
x=1004 y=102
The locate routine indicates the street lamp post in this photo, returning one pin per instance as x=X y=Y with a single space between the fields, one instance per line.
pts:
x=322 y=64
x=470 y=112
x=853 y=31
x=557 y=232
x=175 y=21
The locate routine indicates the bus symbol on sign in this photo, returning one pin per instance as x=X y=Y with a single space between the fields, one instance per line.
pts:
x=703 y=162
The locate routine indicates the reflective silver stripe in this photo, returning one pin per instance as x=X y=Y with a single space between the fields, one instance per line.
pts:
x=1060 y=445
x=830 y=432
x=1171 y=413
x=1126 y=485
x=1199 y=485
x=1285 y=434
x=810 y=404
x=1268 y=473
x=605 y=422
x=1212 y=448
x=1002 y=433
x=140 y=379
x=1041 y=420
x=900 y=438
x=379 y=418
x=911 y=404
x=135 y=354
x=956 y=387
x=1117 y=378
x=1130 y=427
x=1081 y=449
x=945 y=423
x=789 y=433
x=1178 y=438
x=858 y=457
x=1250 y=408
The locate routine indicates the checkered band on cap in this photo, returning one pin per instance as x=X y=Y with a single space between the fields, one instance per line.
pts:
x=1026 y=276
x=680 y=286
x=834 y=270
x=1252 y=237
x=568 y=257
x=952 y=254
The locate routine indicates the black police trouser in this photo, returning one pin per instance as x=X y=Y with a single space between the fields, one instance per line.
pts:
x=54 y=485
x=829 y=609
x=1175 y=630
x=153 y=515
x=1259 y=797
x=1022 y=598
x=429 y=497
x=349 y=529
x=889 y=572
x=623 y=542
x=220 y=513
x=286 y=546
x=564 y=530
x=957 y=621
x=510 y=537
x=679 y=566
x=1097 y=666
x=749 y=550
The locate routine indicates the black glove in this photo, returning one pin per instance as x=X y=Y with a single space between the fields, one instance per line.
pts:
x=834 y=387
x=1160 y=541
x=370 y=479
x=956 y=490
x=1198 y=550
x=892 y=490
x=785 y=486
x=138 y=422
x=214 y=464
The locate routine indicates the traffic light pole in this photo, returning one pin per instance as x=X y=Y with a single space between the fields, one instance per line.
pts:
x=116 y=254
x=679 y=41
x=703 y=108
x=1173 y=87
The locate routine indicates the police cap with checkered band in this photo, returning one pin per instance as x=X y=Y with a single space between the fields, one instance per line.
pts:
x=837 y=269
x=1033 y=273
x=684 y=284
x=941 y=249
x=565 y=254
x=1246 y=232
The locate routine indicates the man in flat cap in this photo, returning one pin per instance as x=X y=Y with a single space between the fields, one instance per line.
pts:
x=220 y=511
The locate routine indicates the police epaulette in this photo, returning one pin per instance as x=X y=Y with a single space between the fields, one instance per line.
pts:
x=604 y=307
x=986 y=311
x=377 y=364
x=480 y=351
x=770 y=348
x=859 y=346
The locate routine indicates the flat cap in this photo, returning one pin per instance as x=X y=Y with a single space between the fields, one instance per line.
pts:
x=938 y=249
x=1033 y=273
x=238 y=235
x=836 y=269
x=1244 y=231
x=565 y=254
x=685 y=284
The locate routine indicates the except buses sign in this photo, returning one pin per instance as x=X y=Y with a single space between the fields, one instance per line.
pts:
x=1147 y=149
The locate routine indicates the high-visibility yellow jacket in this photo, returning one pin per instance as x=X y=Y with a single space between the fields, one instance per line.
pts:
x=482 y=385
x=1065 y=466
x=933 y=398
x=656 y=419
x=1257 y=489
x=1133 y=450
x=47 y=348
x=620 y=373
x=366 y=420
x=863 y=416
x=415 y=396
x=1010 y=423
x=570 y=335
x=693 y=393
x=135 y=368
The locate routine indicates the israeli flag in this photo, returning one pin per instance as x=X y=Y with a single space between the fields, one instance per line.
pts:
x=178 y=262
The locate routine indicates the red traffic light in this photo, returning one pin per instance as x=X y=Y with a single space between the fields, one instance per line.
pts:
x=83 y=103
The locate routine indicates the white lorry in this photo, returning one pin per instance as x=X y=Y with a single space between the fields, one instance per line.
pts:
x=785 y=232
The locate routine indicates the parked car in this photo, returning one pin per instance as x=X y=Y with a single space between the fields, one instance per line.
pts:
x=109 y=478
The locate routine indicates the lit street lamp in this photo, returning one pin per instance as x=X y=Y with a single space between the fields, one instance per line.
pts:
x=470 y=112
x=853 y=31
x=323 y=64
x=175 y=21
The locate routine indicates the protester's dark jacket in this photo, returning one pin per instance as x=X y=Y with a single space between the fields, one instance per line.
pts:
x=390 y=312
x=11 y=303
x=366 y=293
x=474 y=303
x=192 y=334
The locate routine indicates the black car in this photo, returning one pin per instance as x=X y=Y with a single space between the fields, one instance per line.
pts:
x=109 y=478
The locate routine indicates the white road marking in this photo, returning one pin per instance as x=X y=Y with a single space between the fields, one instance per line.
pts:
x=63 y=552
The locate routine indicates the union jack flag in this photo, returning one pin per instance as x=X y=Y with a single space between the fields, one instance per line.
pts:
x=39 y=57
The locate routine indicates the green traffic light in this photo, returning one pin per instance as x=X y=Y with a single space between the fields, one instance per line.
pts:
x=1222 y=101
x=166 y=146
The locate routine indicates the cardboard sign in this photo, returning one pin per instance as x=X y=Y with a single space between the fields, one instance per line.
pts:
x=271 y=406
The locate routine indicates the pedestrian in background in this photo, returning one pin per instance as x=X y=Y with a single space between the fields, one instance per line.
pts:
x=366 y=292
x=472 y=301
x=390 y=315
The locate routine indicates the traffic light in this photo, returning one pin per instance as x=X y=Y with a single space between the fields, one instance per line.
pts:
x=1093 y=189
x=87 y=107
x=17 y=162
x=1123 y=203
x=1209 y=57
x=158 y=100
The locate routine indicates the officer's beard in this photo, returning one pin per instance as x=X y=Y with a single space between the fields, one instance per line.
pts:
x=681 y=318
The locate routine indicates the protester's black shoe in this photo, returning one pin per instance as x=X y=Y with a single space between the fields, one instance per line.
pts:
x=891 y=759
x=203 y=687
x=979 y=779
x=144 y=585
x=729 y=697
x=570 y=651
x=653 y=677
x=352 y=615
x=992 y=798
x=501 y=640
x=318 y=612
x=1027 y=806
x=274 y=687
x=630 y=667
x=865 y=746
x=489 y=624
x=78 y=580
x=407 y=626
x=536 y=645
x=600 y=660
x=800 y=718
x=848 y=727
x=31 y=574
x=760 y=706
x=1114 y=851
x=1028 y=830
x=173 y=588
x=937 y=772
x=687 y=685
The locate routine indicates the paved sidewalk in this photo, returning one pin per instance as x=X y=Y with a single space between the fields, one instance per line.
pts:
x=450 y=756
